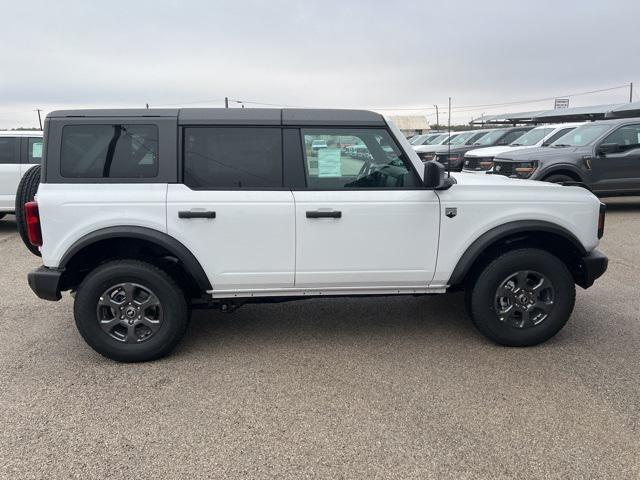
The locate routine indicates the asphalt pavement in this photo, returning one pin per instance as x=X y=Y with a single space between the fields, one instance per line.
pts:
x=399 y=387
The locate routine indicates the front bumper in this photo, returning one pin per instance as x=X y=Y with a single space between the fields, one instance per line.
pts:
x=592 y=266
x=45 y=283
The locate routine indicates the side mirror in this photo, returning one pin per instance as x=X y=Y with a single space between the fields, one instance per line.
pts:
x=606 y=148
x=435 y=177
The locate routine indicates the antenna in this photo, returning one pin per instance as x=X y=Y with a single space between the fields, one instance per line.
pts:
x=449 y=143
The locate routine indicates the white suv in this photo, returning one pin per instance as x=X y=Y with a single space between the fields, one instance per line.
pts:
x=145 y=214
x=19 y=151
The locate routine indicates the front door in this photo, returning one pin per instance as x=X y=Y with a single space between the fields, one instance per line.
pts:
x=231 y=210
x=619 y=171
x=364 y=221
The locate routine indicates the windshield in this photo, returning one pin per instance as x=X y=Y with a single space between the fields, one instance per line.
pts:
x=438 y=139
x=416 y=139
x=450 y=140
x=490 y=138
x=531 y=137
x=462 y=138
x=475 y=137
x=581 y=136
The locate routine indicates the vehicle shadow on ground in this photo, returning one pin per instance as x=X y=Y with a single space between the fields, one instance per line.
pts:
x=8 y=224
x=329 y=321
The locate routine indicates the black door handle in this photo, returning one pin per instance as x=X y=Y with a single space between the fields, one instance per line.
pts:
x=196 y=214
x=324 y=214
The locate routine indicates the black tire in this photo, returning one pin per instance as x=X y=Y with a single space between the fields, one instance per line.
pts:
x=173 y=307
x=27 y=189
x=559 y=178
x=483 y=300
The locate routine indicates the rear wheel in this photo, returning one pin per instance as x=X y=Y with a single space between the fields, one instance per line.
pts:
x=523 y=297
x=559 y=178
x=130 y=311
x=27 y=189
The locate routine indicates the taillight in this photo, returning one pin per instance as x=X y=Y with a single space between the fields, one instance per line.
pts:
x=32 y=218
x=603 y=209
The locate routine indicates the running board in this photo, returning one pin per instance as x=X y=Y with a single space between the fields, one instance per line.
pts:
x=328 y=291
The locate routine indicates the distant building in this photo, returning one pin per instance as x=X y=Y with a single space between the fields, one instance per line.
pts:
x=411 y=124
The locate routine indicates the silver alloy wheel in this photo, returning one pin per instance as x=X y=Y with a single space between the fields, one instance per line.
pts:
x=129 y=312
x=524 y=299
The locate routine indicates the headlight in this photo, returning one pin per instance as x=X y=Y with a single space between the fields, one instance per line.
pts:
x=525 y=169
x=515 y=169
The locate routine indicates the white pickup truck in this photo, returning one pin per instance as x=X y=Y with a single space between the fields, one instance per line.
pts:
x=145 y=214
x=19 y=151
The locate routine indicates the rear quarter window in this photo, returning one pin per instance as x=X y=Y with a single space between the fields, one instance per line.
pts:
x=109 y=151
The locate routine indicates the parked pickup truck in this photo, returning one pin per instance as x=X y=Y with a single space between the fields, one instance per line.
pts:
x=452 y=141
x=146 y=214
x=19 y=151
x=602 y=155
x=454 y=157
x=480 y=160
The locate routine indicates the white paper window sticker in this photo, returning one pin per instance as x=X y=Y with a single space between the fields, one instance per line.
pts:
x=329 y=163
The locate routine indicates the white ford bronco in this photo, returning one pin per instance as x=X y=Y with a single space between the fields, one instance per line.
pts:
x=145 y=214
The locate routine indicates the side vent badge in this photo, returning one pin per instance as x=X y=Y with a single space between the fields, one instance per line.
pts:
x=450 y=212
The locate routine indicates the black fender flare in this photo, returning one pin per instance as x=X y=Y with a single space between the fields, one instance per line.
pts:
x=559 y=167
x=500 y=232
x=182 y=253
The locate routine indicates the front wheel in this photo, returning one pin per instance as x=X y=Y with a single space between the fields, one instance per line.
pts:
x=522 y=298
x=558 y=178
x=130 y=311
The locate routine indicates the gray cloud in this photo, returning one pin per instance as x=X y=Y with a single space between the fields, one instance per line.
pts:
x=366 y=54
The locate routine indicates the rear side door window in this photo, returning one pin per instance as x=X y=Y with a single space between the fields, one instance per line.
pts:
x=9 y=150
x=355 y=158
x=230 y=158
x=109 y=151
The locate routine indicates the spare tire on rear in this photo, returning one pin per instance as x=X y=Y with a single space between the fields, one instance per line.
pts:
x=26 y=193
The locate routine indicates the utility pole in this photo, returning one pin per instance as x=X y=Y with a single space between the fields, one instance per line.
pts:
x=226 y=102
x=437 y=117
x=631 y=92
x=39 y=118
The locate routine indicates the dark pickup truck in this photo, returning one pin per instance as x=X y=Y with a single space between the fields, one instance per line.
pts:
x=603 y=155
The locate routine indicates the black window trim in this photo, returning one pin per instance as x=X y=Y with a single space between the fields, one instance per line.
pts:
x=181 y=155
x=52 y=147
x=403 y=156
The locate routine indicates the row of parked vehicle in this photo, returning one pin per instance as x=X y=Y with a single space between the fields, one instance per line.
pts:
x=602 y=155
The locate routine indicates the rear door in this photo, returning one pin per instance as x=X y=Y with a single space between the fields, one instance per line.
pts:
x=619 y=171
x=363 y=222
x=9 y=171
x=231 y=209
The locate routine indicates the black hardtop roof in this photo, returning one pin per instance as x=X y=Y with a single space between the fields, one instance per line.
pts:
x=239 y=116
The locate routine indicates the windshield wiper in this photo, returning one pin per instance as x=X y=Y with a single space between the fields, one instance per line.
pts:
x=515 y=144
x=561 y=145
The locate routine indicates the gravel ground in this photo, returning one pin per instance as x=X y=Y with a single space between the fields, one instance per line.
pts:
x=368 y=388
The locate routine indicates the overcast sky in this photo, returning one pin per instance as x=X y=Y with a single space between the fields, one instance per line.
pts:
x=354 y=54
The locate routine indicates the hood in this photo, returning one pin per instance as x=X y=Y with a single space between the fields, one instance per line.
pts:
x=458 y=149
x=430 y=148
x=494 y=151
x=499 y=180
x=539 y=153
